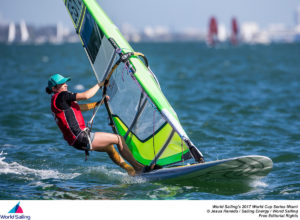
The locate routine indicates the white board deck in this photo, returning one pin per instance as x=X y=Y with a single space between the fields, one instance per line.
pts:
x=245 y=167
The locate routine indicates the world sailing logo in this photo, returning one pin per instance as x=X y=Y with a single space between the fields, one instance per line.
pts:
x=16 y=209
x=15 y=213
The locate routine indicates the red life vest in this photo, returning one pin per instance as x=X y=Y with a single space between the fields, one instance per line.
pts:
x=70 y=121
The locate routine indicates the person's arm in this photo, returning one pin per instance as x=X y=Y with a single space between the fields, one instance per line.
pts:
x=92 y=105
x=64 y=100
x=87 y=94
x=88 y=106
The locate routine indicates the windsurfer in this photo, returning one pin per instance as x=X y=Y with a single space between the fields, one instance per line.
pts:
x=71 y=123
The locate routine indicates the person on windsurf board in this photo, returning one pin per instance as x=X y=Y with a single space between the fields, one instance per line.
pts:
x=68 y=116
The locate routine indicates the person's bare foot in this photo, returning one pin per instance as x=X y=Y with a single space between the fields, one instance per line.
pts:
x=130 y=170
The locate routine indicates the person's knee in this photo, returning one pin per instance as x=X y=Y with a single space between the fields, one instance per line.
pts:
x=119 y=139
x=110 y=149
x=119 y=143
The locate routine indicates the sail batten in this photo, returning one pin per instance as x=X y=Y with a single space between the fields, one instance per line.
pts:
x=137 y=107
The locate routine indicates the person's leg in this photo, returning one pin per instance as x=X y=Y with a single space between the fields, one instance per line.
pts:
x=116 y=158
x=126 y=153
x=103 y=142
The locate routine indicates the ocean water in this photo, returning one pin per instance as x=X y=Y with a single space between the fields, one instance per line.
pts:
x=232 y=101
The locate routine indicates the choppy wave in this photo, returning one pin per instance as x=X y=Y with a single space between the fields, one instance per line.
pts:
x=21 y=171
x=113 y=175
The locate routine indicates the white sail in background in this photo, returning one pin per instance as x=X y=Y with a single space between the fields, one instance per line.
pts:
x=11 y=32
x=59 y=32
x=24 y=31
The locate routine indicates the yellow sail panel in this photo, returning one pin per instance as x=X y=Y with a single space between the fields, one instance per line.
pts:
x=173 y=149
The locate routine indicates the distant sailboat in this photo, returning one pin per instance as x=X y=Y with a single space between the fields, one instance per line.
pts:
x=24 y=31
x=18 y=33
x=11 y=32
x=234 y=31
x=212 y=32
x=59 y=32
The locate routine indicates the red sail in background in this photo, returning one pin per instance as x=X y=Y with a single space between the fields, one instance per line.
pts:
x=234 y=31
x=213 y=31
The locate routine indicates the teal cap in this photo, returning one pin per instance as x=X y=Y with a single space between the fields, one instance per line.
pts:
x=57 y=79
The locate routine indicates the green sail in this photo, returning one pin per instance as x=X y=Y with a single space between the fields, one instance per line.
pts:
x=137 y=107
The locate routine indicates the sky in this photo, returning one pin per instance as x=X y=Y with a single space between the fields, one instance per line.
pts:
x=175 y=14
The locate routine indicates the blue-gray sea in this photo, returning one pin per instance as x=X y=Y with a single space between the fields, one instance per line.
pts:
x=231 y=100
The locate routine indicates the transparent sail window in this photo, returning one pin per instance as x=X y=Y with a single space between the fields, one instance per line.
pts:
x=130 y=105
x=99 y=49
